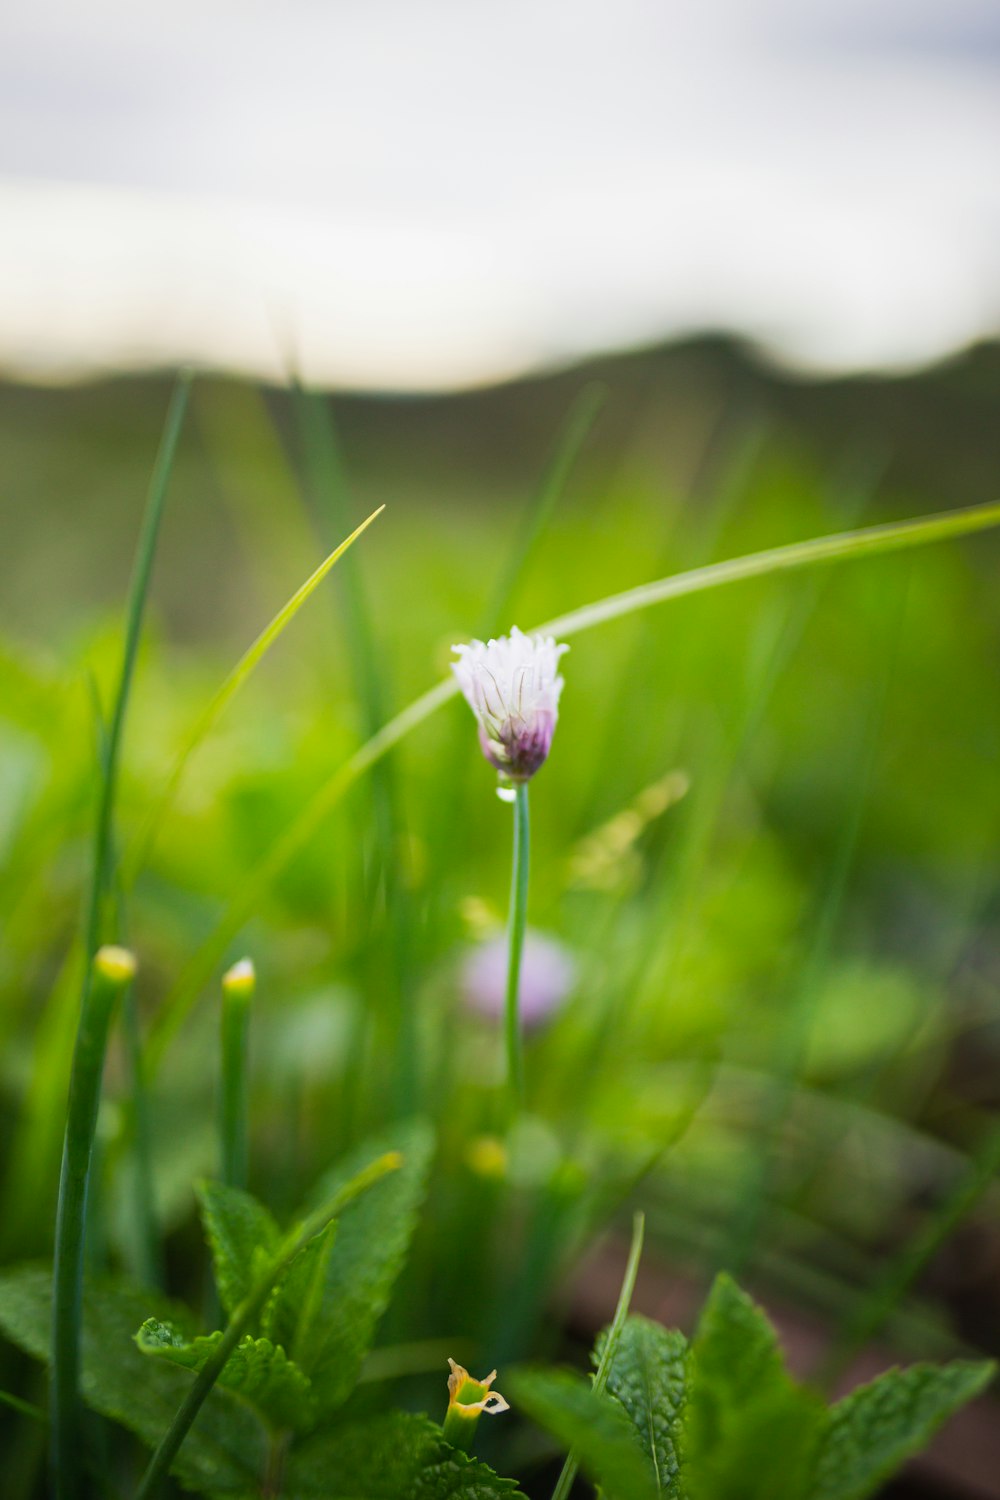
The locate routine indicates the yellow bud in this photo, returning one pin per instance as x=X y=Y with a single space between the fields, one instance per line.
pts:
x=241 y=980
x=115 y=964
x=487 y=1156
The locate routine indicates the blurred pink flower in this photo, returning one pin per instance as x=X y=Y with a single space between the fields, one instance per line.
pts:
x=548 y=972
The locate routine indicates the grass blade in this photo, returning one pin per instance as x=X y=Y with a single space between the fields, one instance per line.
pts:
x=138 y=591
x=565 y=1481
x=74 y=1178
x=576 y=428
x=842 y=546
x=894 y=536
x=228 y=690
x=179 y=1002
x=238 y=987
x=750 y=1209
x=112 y=971
x=326 y=479
x=624 y=1303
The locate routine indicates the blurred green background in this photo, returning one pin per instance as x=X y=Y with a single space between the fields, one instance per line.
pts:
x=767 y=830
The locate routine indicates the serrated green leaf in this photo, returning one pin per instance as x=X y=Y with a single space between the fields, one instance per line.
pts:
x=373 y=1236
x=250 y=1309
x=225 y=1451
x=241 y=1234
x=290 y=1317
x=749 y=1432
x=880 y=1425
x=257 y=1369
x=387 y=1458
x=594 y=1427
x=648 y=1379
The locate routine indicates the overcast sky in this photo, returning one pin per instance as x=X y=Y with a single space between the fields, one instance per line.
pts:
x=426 y=193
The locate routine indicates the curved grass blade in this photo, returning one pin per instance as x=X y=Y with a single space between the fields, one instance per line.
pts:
x=893 y=536
x=227 y=691
x=842 y=546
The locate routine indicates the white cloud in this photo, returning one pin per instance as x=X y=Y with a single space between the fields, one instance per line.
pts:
x=425 y=194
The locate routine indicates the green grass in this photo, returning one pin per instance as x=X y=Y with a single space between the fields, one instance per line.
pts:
x=766 y=830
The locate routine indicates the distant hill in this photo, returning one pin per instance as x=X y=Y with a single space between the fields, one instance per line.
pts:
x=75 y=460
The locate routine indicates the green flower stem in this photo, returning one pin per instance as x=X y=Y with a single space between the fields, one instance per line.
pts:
x=237 y=992
x=565 y=1481
x=246 y=1312
x=518 y=920
x=112 y=972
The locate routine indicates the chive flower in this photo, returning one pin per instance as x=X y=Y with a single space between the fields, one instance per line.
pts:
x=512 y=686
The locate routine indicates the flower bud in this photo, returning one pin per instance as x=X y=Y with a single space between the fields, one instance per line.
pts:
x=467 y=1400
x=116 y=965
x=512 y=686
x=239 y=982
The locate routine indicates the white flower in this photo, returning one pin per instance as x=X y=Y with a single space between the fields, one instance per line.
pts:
x=512 y=686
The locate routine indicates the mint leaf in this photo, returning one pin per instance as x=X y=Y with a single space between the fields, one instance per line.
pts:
x=372 y=1238
x=749 y=1433
x=291 y=1315
x=880 y=1425
x=387 y=1458
x=593 y=1426
x=224 y=1453
x=241 y=1235
x=648 y=1380
x=258 y=1370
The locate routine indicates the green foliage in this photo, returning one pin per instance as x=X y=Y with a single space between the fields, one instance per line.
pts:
x=749 y=1431
x=394 y=1457
x=373 y=1236
x=878 y=1426
x=241 y=1235
x=721 y=1419
x=758 y=697
x=258 y=1370
x=291 y=1316
x=648 y=1380
x=594 y=1427
x=327 y=1309
x=224 y=1452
